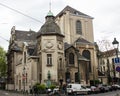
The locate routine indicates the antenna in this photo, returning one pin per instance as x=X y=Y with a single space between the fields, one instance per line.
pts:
x=50 y=6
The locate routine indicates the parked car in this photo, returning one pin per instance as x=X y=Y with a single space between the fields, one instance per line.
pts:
x=77 y=89
x=116 y=86
x=92 y=89
x=106 y=88
x=56 y=90
x=96 y=89
x=103 y=88
x=110 y=88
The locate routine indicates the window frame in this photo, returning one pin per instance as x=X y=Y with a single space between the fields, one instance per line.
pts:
x=49 y=59
x=78 y=27
x=71 y=58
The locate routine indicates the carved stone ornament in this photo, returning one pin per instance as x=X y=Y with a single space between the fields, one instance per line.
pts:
x=60 y=47
x=49 y=45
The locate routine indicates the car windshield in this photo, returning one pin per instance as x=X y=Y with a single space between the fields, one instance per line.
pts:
x=83 y=87
x=88 y=86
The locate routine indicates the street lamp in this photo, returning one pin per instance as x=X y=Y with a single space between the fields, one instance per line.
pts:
x=116 y=45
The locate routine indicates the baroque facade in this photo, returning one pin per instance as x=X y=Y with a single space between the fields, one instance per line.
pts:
x=62 y=51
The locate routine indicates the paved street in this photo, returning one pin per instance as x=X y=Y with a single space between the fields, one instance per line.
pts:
x=113 y=93
x=7 y=93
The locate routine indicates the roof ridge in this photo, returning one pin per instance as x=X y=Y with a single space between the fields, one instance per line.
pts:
x=24 y=31
x=72 y=10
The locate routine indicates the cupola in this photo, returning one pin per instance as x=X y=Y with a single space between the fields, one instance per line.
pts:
x=49 y=27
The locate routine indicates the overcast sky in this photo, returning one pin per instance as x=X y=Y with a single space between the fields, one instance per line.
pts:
x=106 y=13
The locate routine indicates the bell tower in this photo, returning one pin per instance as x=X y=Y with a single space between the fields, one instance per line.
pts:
x=50 y=50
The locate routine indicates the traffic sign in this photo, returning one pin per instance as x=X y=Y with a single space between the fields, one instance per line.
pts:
x=116 y=60
x=118 y=68
x=117 y=64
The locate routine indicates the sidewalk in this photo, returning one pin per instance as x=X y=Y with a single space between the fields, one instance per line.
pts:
x=14 y=93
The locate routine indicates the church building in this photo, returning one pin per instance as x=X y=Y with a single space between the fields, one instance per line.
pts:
x=62 y=51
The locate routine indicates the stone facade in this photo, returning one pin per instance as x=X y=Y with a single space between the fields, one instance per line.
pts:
x=62 y=51
x=67 y=19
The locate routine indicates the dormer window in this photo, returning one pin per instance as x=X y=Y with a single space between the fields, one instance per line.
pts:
x=76 y=13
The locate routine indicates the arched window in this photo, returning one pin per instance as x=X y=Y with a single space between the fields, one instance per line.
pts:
x=86 y=54
x=71 y=58
x=78 y=27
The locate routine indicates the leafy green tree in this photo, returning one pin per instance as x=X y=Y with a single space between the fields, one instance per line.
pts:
x=3 y=66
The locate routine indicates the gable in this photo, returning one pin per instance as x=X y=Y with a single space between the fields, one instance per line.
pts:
x=72 y=11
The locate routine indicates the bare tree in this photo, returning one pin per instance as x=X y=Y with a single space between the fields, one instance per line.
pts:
x=105 y=48
x=105 y=45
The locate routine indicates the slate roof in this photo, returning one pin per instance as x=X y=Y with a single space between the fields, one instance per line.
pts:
x=25 y=35
x=80 y=57
x=32 y=50
x=66 y=45
x=16 y=48
x=49 y=27
x=82 y=41
x=73 y=11
x=109 y=52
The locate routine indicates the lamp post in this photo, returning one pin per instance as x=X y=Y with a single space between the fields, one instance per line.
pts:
x=108 y=70
x=116 y=45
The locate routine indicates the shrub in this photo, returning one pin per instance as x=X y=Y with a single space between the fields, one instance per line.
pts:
x=94 y=82
x=52 y=87
x=41 y=88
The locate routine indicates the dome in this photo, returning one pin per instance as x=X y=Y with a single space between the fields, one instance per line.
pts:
x=50 y=13
x=50 y=27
